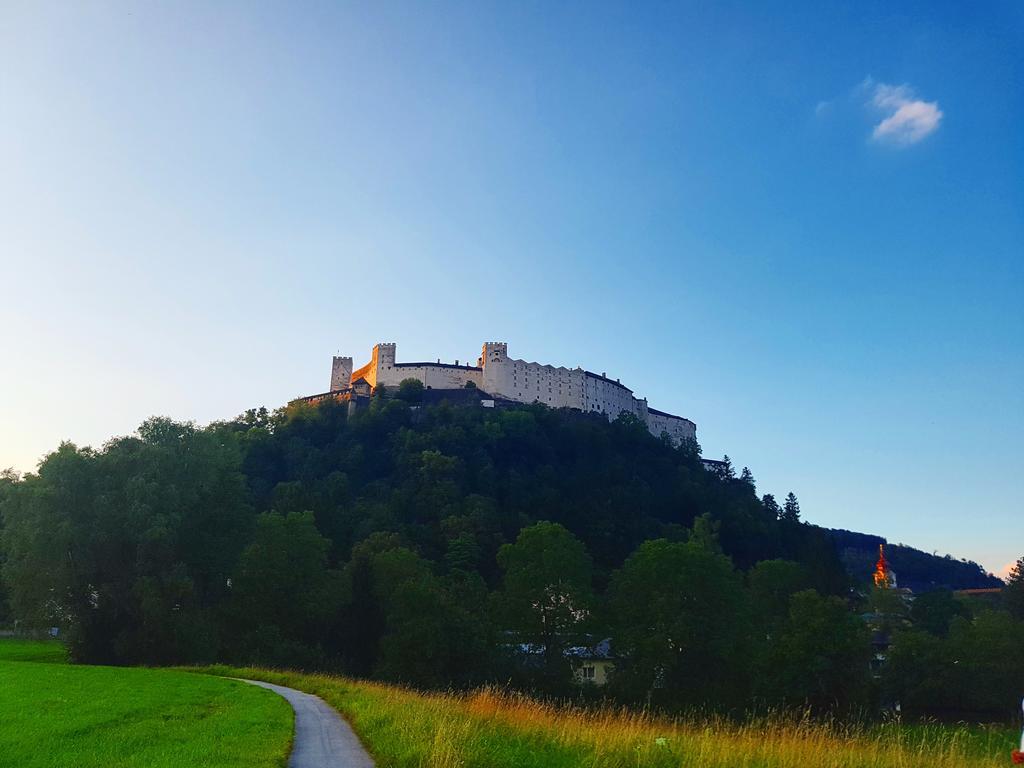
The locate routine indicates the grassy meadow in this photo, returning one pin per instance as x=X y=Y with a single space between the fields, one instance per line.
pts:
x=53 y=715
x=488 y=729
x=57 y=715
x=48 y=651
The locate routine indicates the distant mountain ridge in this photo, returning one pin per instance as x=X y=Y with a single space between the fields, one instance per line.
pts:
x=915 y=569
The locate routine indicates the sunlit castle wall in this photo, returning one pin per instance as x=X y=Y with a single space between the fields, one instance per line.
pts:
x=434 y=375
x=369 y=371
x=384 y=370
x=519 y=380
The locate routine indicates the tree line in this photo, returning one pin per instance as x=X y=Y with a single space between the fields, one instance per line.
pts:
x=444 y=546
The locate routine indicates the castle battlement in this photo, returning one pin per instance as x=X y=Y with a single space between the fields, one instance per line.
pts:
x=510 y=379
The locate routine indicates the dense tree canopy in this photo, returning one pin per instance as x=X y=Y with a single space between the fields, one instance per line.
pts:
x=818 y=657
x=977 y=667
x=431 y=544
x=1013 y=593
x=283 y=595
x=680 y=617
x=130 y=547
x=547 y=599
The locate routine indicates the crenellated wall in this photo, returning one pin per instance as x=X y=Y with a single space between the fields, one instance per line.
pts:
x=528 y=382
x=525 y=382
x=433 y=375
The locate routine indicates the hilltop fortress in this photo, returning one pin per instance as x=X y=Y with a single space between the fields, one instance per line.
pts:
x=503 y=378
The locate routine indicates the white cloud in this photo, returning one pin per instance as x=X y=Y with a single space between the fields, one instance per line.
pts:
x=908 y=119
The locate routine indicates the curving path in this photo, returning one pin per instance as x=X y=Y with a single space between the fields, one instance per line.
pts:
x=322 y=738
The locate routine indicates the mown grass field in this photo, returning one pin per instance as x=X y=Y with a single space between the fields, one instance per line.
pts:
x=56 y=715
x=49 y=651
x=490 y=729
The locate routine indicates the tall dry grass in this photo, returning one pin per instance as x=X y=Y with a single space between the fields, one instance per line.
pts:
x=492 y=727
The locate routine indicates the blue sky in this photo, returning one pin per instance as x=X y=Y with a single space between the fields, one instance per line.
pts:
x=801 y=226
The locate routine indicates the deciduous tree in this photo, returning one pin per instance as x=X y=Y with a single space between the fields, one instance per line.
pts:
x=283 y=594
x=679 y=615
x=819 y=658
x=547 y=595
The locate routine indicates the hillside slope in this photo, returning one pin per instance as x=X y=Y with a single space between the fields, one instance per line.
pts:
x=917 y=570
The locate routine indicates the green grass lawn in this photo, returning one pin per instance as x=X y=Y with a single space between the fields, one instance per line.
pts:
x=56 y=715
x=50 y=651
x=493 y=729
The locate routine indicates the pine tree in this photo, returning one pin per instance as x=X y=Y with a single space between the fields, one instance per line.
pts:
x=1013 y=593
x=791 y=509
x=728 y=473
x=747 y=476
x=771 y=506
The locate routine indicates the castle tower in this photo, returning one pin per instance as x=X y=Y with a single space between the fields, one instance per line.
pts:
x=493 y=351
x=378 y=370
x=640 y=409
x=369 y=372
x=341 y=373
x=384 y=353
x=493 y=360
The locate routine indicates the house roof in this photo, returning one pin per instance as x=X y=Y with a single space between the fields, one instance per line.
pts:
x=606 y=379
x=656 y=412
x=599 y=651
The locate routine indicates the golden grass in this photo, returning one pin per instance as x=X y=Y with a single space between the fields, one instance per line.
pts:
x=492 y=727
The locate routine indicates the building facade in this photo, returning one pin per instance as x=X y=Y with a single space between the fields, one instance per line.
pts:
x=518 y=380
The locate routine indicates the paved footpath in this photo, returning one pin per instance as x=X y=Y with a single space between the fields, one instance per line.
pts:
x=322 y=738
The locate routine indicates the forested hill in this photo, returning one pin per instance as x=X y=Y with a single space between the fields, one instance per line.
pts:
x=150 y=543
x=411 y=541
x=920 y=571
x=456 y=483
